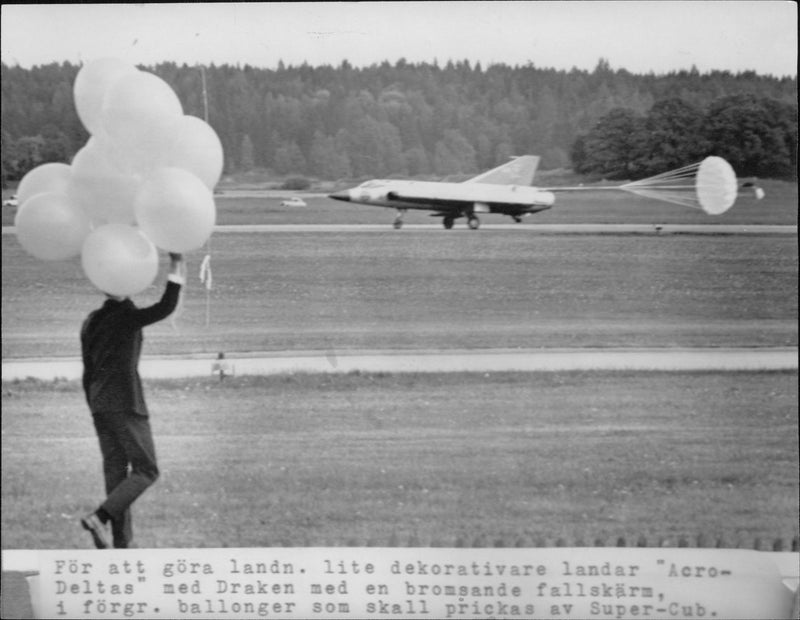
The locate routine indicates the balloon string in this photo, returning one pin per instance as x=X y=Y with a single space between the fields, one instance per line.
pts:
x=206 y=279
x=173 y=319
x=208 y=284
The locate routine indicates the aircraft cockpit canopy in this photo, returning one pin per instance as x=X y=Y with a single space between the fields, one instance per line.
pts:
x=375 y=183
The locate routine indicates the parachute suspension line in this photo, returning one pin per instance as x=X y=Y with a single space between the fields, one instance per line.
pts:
x=709 y=185
x=686 y=171
x=675 y=186
x=683 y=197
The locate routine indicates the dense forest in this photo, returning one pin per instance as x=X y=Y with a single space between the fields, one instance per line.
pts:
x=424 y=119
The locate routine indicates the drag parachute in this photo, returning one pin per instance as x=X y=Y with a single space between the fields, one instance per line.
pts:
x=715 y=185
x=709 y=185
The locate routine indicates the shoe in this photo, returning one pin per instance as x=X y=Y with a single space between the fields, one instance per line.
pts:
x=92 y=524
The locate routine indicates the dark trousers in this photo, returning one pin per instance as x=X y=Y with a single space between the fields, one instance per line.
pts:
x=129 y=467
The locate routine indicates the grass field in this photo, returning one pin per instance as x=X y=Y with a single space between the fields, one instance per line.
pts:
x=367 y=459
x=428 y=289
x=440 y=458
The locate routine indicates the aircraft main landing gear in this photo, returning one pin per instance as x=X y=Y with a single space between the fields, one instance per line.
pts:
x=398 y=220
x=447 y=222
x=473 y=222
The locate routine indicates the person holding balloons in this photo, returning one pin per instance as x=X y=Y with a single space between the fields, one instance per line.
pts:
x=143 y=181
x=111 y=341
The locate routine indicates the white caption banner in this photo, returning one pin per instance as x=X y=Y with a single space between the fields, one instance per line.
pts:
x=417 y=583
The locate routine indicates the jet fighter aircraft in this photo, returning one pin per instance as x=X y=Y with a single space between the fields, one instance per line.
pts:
x=505 y=189
x=710 y=185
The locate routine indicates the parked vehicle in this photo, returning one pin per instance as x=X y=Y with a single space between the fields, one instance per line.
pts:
x=294 y=201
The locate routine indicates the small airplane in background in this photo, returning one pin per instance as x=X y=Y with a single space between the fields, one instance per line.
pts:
x=506 y=190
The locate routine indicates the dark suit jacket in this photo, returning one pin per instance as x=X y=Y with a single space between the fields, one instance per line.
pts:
x=111 y=342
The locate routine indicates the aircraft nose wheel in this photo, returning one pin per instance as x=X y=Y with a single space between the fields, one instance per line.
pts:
x=448 y=222
x=398 y=220
x=473 y=223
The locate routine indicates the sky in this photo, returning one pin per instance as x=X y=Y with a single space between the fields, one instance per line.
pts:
x=639 y=36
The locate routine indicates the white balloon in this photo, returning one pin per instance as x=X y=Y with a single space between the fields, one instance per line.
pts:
x=175 y=210
x=91 y=84
x=140 y=114
x=196 y=147
x=50 y=227
x=52 y=177
x=119 y=259
x=104 y=192
x=716 y=185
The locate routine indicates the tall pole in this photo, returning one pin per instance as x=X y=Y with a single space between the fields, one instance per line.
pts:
x=205 y=93
x=208 y=242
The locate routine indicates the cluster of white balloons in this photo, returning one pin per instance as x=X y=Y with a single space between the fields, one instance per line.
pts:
x=144 y=180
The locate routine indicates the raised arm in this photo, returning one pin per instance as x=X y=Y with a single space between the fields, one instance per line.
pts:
x=176 y=278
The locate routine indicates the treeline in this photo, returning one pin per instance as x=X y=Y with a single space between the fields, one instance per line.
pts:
x=425 y=119
x=757 y=135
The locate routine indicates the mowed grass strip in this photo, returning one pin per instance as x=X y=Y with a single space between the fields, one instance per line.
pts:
x=435 y=289
x=432 y=458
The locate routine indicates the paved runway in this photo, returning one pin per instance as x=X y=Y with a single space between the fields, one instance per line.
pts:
x=550 y=229
x=494 y=360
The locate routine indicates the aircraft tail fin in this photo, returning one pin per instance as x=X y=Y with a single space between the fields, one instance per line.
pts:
x=519 y=171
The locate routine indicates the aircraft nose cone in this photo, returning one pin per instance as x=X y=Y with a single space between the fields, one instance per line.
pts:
x=343 y=195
